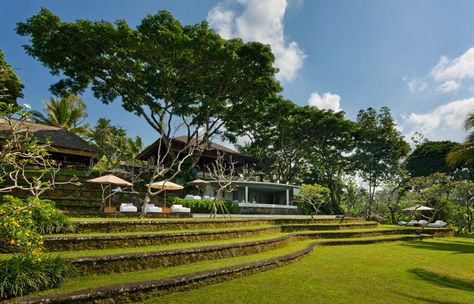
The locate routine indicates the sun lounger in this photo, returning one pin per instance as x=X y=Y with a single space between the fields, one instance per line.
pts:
x=128 y=207
x=437 y=224
x=151 y=208
x=402 y=223
x=180 y=208
x=412 y=223
x=422 y=222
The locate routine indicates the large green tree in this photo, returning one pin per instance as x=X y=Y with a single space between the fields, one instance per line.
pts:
x=277 y=142
x=430 y=157
x=180 y=79
x=68 y=112
x=329 y=144
x=380 y=148
x=10 y=85
x=163 y=71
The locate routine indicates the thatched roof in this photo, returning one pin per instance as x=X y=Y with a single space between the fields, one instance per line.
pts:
x=180 y=141
x=61 y=139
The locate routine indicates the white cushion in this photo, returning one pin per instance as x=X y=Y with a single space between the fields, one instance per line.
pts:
x=151 y=208
x=128 y=207
x=402 y=223
x=180 y=208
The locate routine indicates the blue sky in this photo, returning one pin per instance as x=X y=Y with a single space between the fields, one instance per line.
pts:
x=414 y=56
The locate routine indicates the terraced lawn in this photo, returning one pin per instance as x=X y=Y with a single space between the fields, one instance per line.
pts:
x=437 y=271
x=92 y=281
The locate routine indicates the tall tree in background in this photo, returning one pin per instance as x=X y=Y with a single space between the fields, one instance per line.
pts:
x=114 y=144
x=67 y=112
x=329 y=144
x=276 y=140
x=380 y=148
x=430 y=157
x=10 y=85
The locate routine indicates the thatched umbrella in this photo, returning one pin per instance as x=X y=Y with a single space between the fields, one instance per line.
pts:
x=200 y=184
x=166 y=185
x=109 y=180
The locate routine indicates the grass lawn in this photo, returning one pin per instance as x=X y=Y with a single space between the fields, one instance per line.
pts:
x=91 y=281
x=433 y=271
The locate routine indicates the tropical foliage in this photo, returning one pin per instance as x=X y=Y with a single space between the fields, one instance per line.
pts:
x=22 y=274
x=67 y=112
x=114 y=144
x=10 y=85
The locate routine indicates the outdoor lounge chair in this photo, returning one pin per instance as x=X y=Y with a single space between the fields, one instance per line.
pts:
x=151 y=208
x=128 y=207
x=437 y=224
x=189 y=196
x=402 y=223
x=180 y=208
x=422 y=222
x=412 y=223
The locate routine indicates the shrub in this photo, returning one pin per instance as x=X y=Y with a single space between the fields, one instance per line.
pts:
x=22 y=222
x=48 y=219
x=17 y=228
x=22 y=274
x=203 y=205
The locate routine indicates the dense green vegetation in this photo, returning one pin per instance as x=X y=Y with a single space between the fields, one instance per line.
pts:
x=409 y=272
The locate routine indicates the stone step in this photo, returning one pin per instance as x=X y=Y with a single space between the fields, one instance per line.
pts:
x=112 y=225
x=134 y=291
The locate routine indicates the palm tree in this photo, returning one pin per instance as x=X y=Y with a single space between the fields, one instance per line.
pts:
x=464 y=154
x=67 y=112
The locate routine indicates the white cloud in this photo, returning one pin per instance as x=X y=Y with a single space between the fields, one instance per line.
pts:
x=459 y=68
x=442 y=120
x=221 y=19
x=260 y=21
x=449 y=86
x=327 y=102
x=417 y=85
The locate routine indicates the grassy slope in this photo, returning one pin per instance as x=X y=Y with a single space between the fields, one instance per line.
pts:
x=92 y=281
x=434 y=271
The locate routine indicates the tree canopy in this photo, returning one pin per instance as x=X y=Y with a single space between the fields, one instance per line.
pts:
x=430 y=157
x=380 y=147
x=10 y=85
x=162 y=70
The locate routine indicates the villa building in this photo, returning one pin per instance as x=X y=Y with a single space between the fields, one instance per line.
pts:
x=251 y=193
x=66 y=148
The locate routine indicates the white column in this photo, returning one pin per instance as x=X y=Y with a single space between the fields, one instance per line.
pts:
x=287 y=197
x=246 y=194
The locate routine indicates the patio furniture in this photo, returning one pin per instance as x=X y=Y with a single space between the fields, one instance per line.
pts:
x=189 y=196
x=108 y=181
x=128 y=207
x=206 y=197
x=180 y=208
x=197 y=197
x=437 y=224
x=151 y=208
x=402 y=223
x=165 y=185
x=422 y=222
x=412 y=223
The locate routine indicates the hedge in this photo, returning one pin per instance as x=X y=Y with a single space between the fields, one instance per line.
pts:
x=204 y=205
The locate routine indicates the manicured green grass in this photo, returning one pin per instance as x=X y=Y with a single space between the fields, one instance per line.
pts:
x=81 y=253
x=91 y=281
x=433 y=271
x=138 y=218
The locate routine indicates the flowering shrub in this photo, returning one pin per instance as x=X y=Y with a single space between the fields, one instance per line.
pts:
x=17 y=227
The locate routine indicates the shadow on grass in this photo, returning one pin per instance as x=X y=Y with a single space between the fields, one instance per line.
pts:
x=427 y=300
x=443 y=280
x=452 y=246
